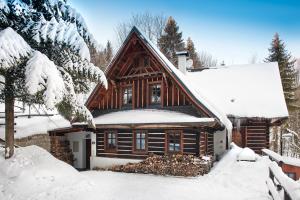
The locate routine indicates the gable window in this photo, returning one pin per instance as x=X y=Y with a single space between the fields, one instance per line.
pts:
x=174 y=141
x=140 y=141
x=111 y=141
x=155 y=93
x=127 y=96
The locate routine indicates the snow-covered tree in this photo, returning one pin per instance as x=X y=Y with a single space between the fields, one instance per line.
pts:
x=44 y=58
x=278 y=53
x=171 y=40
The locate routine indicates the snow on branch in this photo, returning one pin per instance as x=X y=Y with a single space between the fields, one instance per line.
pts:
x=41 y=73
x=12 y=48
x=61 y=33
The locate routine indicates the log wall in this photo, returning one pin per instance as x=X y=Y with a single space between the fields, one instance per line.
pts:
x=157 y=143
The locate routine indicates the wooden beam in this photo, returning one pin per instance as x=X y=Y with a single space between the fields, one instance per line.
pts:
x=138 y=93
x=142 y=93
x=133 y=94
x=162 y=94
x=147 y=94
x=173 y=94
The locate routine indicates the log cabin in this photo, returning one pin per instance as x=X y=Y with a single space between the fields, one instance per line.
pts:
x=153 y=107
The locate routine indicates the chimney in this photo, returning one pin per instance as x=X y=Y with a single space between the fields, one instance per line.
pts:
x=182 y=61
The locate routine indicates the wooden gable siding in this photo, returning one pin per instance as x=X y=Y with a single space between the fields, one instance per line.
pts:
x=156 y=143
x=252 y=133
x=123 y=71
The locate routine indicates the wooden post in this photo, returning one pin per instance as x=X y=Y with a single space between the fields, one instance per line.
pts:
x=173 y=95
x=138 y=93
x=162 y=93
x=133 y=94
x=143 y=93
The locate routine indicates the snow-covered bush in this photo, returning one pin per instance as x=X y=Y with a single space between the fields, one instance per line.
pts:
x=246 y=154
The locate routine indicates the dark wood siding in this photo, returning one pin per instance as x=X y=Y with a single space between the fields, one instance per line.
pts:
x=257 y=134
x=156 y=143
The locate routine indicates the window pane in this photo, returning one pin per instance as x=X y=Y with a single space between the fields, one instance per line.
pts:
x=143 y=146
x=174 y=142
x=155 y=97
x=138 y=143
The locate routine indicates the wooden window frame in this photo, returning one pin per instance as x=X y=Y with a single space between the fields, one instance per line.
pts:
x=139 y=151
x=106 y=149
x=123 y=91
x=150 y=86
x=167 y=151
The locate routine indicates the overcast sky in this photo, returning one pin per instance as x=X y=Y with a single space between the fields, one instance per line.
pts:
x=231 y=30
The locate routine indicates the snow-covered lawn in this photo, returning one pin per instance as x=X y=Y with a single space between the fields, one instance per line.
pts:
x=34 y=174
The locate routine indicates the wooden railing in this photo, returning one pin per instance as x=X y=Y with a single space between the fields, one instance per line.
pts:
x=280 y=186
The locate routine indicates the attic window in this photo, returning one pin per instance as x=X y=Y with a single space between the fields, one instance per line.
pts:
x=127 y=96
x=155 y=93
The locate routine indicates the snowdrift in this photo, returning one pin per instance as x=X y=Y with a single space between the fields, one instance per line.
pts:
x=33 y=173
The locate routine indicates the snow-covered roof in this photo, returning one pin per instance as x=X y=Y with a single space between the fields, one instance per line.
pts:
x=185 y=82
x=148 y=116
x=47 y=121
x=252 y=90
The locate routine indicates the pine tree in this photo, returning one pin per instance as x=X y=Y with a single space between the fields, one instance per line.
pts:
x=44 y=58
x=171 y=41
x=108 y=52
x=278 y=53
x=190 y=47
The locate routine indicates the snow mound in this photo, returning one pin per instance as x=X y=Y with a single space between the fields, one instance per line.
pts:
x=33 y=173
x=246 y=154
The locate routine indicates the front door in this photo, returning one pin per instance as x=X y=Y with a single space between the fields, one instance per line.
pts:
x=88 y=153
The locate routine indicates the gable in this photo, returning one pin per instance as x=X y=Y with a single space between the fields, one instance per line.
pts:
x=129 y=67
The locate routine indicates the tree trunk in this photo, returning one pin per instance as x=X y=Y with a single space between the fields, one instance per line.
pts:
x=9 y=119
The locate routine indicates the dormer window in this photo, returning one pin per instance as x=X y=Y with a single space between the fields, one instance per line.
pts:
x=155 y=93
x=127 y=96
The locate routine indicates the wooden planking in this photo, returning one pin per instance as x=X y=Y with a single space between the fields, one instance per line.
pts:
x=156 y=143
x=257 y=135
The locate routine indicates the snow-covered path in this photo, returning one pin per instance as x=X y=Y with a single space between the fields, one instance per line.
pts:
x=228 y=180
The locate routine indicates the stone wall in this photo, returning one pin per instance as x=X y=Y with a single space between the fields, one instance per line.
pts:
x=41 y=140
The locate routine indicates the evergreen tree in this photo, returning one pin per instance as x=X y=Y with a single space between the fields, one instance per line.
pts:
x=278 y=53
x=171 y=41
x=108 y=52
x=190 y=47
x=44 y=58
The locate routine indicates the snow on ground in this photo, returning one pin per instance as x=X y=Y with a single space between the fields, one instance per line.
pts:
x=229 y=179
x=33 y=173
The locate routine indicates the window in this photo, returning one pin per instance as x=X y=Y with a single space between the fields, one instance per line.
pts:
x=111 y=140
x=155 y=93
x=127 y=96
x=174 y=141
x=140 y=141
x=75 y=146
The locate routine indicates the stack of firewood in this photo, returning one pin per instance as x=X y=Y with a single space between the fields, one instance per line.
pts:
x=175 y=165
x=60 y=148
